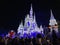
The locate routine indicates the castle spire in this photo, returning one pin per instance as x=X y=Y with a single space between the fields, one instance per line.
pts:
x=53 y=23
x=31 y=11
x=52 y=19
x=41 y=29
x=34 y=18
x=20 y=28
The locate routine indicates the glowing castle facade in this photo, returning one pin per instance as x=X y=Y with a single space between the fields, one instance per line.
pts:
x=53 y=23
x=30 y=25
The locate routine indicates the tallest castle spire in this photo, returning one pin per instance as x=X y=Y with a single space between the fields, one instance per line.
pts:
x=31 y=11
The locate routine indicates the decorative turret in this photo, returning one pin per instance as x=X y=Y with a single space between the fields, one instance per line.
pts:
x=34 y=23
x=41 y=29
x=34 y=18
x=31 y=12
x=26 y=19
x=52 y=23
x=30 y=25
x=52 y=19
x=20 y=28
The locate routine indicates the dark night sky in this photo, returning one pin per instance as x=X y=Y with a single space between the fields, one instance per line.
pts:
x=13 y=11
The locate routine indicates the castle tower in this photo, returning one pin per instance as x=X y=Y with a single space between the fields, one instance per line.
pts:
x=26 y=20
x=30 y=25
x=34 y=23
x=34 y=18
x=52 y=23
x=41 y=29
x=20 y=29
x=31 y=12
x=27 y=24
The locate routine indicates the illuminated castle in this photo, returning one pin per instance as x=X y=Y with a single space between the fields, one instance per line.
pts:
x=52 y=23
x=30 y=25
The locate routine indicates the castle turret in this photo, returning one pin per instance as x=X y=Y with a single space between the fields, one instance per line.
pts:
x=31 y=12
x=20 y=29
x=30 y=25
x=52 y=19
x=52 y=23
x=41 y=29
x=34 y=23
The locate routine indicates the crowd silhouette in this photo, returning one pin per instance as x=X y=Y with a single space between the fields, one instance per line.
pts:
x=38 y=40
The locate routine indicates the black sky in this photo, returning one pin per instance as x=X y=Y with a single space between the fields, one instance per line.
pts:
x=13 y=11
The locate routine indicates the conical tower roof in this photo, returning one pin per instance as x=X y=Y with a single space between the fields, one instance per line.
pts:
x=21 y=24
x=41 y=29
x=27 y=18
x=31 y=11
x=20 y=27
x=52 y=19
x=34 y=18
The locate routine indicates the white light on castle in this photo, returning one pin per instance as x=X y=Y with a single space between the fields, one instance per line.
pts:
x=41 y=29
x=20 y=29
x=52 y=19
x=30 y=25
x=52 y=22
